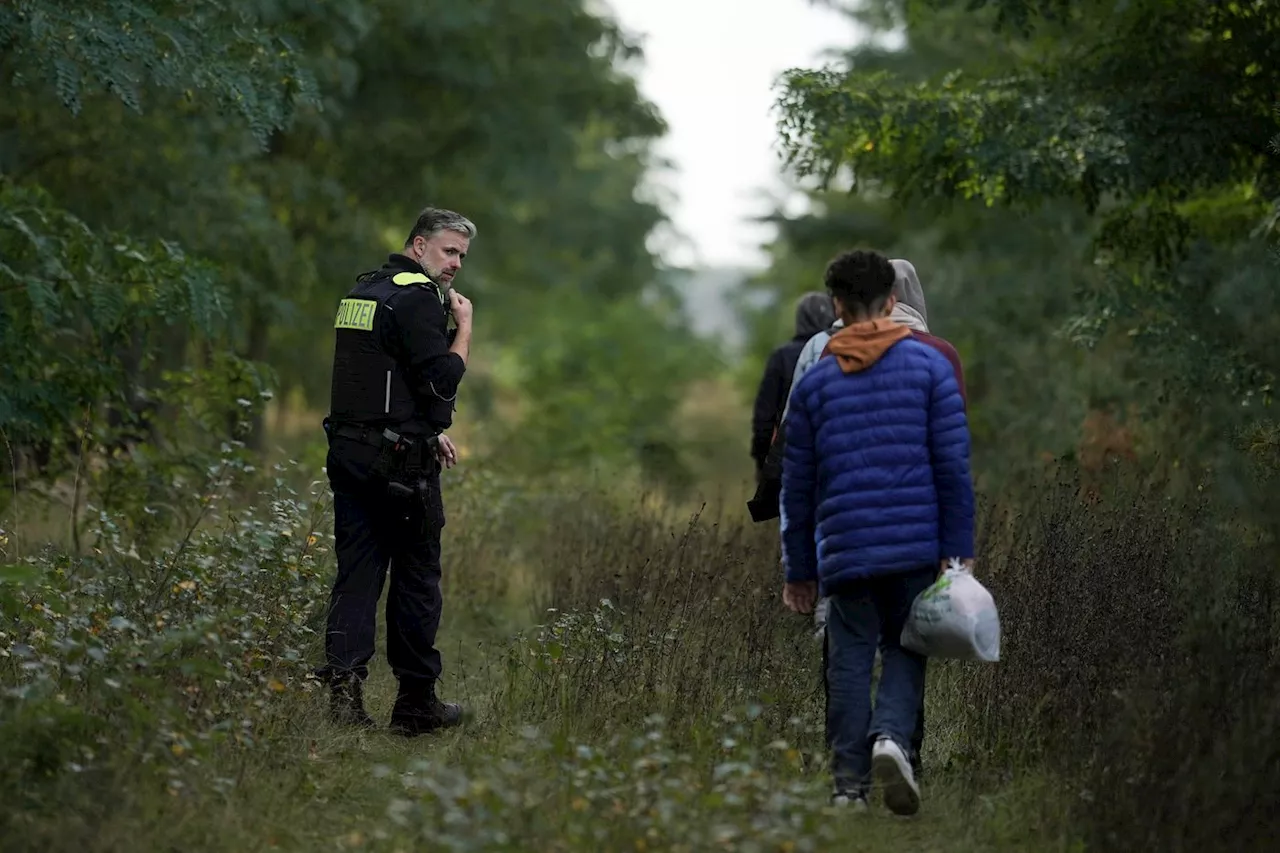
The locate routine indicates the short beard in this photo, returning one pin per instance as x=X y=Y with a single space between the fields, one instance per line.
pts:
x=431 y=274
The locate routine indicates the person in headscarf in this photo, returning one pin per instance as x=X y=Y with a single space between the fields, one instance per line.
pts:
x=814 y=313
x=910 y=311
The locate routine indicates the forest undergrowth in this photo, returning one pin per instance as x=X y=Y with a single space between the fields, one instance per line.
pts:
x=634 y=681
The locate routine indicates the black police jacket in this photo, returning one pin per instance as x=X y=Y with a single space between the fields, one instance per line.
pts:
x=392 y=366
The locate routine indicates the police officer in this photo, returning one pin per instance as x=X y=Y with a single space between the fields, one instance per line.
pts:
x=396 y=369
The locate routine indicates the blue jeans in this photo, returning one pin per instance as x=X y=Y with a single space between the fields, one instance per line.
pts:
x=864 y=614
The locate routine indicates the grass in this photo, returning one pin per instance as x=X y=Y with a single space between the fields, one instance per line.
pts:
x=635 y=685
x=507 y=783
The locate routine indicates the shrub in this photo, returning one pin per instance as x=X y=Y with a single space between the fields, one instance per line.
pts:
x=665 y=693
x=114 y=663
x=1139 y=664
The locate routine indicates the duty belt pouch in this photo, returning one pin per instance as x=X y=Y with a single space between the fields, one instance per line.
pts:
x=432 y=502
x=388 y=470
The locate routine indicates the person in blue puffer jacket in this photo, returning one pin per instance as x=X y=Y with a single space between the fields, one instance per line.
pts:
x=878 y=496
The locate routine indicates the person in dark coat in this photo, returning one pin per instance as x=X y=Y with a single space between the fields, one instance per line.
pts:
x=397 y=367
x=814 y=314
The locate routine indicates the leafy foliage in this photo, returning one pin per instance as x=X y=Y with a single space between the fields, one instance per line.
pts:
x=83 y=312
x=608 y=379
x=220 y=48
x=1086 y=104
x=165 y=654
x=522 y=116
x=1093 y=118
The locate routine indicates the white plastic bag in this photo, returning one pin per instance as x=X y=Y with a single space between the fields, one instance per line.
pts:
x=955 y=618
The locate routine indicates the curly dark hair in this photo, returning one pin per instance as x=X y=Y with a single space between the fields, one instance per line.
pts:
x=861 y=280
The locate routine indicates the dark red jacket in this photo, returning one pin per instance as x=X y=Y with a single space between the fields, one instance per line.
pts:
x=949 y=351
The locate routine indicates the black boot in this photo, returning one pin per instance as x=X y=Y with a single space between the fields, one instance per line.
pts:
x=346 y=703
x=418 y=712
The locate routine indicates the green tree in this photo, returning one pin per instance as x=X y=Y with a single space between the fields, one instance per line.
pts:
x=999 y=283
x=523 y=116
x=218 y=49
x=1086 y=104
x=91 y=304
x=79 y=306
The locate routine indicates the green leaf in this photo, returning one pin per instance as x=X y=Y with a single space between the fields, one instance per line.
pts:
x=19 y=574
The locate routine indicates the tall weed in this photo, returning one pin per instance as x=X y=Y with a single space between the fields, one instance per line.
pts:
x=650 y=617
x=1139 y=662
x=1138 y=679
x=114 y=664
x=1139 y=656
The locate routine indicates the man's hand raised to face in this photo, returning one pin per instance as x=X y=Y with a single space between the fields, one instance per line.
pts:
x=461 y=308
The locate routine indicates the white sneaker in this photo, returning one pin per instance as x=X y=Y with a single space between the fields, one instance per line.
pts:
x=893 y=771
x=855 y=801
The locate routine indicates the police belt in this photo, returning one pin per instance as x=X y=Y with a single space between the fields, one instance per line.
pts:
x=423 y=447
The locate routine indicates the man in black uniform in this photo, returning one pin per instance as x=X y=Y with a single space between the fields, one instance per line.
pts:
x=396 y=370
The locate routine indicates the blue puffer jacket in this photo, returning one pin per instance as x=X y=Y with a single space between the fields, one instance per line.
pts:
x=876 y=475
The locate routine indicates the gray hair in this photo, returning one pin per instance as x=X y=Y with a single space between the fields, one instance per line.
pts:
x=433 y=220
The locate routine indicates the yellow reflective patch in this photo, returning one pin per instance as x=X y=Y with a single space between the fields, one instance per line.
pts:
x=403 y=278
x=355 y=314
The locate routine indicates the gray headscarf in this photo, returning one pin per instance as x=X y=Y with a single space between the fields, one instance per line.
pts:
x=910 y=311
x=814 y=313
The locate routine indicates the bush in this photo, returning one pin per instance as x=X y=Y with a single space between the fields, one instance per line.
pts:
x=112 y=663
x=1139 y=664
x=639 y=679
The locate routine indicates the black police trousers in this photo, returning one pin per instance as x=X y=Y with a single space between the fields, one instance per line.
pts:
x=374 y=536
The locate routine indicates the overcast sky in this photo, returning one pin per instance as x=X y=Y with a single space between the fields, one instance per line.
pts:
x=710 y=67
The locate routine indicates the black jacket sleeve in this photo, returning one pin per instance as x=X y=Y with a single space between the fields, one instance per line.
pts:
x=769 y=404
x=418 y=342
